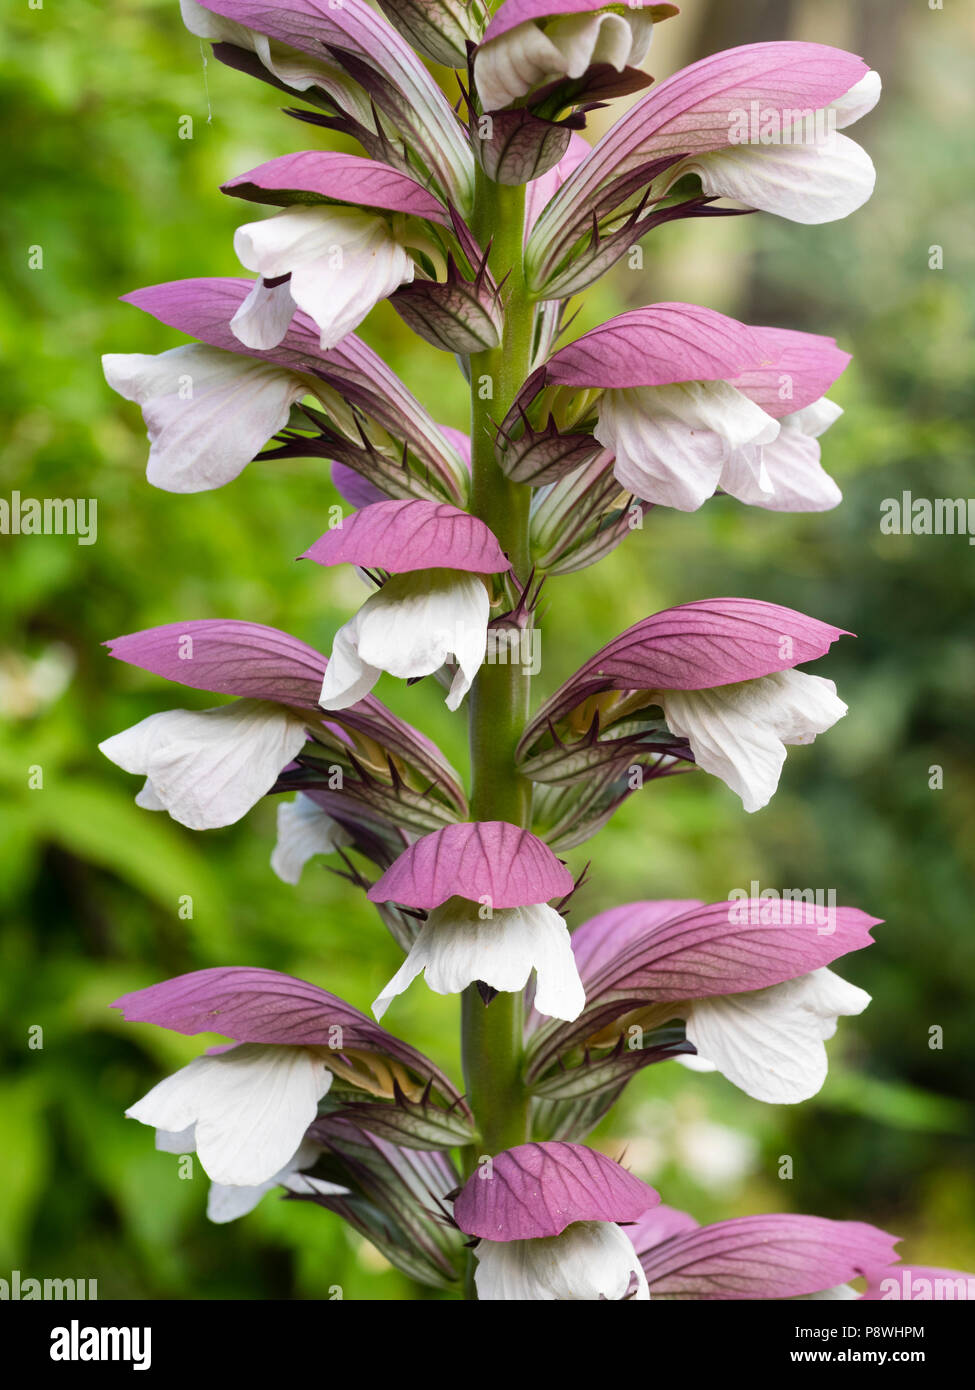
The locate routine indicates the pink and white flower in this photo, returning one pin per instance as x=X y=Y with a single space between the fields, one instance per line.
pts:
x=545 y=1216
x=723 y=672
x=693 y=402
x=436 y=604
x=485 y=886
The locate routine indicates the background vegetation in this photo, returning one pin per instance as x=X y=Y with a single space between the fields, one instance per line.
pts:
x=89 y=885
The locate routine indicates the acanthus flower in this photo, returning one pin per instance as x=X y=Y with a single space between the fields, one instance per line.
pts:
x=208 y=768
x=756 y=996
x=722 y=671
x=249 y=1106
x=546 y=1218
x=691 y=124
x=435 y=604
x=339 y=247
x=209 y=408
x=486 y=887
x=692 y=402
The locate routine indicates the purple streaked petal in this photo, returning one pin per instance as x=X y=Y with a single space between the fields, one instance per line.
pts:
x=203 y=309
x=600 y=940
x=264 y=1006
x=806 y=366
x=660 y=345
x=658 y=1225
x=234 y=658
x=404 y=536
x=345 y=178
x=536 y=1190
x=514 y=12
x=778 y=1256
x=720 y=948
x=695 y=646
x=478 y=860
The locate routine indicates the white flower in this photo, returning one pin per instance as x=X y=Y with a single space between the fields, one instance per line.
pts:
x=208 y=412
x=207 y=768
x=807 y=180
x=529 y=55
x=225 y=1203
x=304 y=830
x=769 y=1042
x=739 y=732
x=674 y=444
x=342 y=261
x=590 y=1260
x=456 y=946
x=250 y=1106
x=408 y=628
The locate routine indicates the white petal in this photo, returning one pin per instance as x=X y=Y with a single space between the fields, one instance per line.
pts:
x=181 y=1141
x=861 y=98
x=209 y=767
x=347 y=678
x=769 y=1042
x=265 y=316
x=304 y=830
x=225 y=1203
x=527 y=56
x=814 y=419
x=455 y=946
x=251 y=1106
x=791 y=468
x=590 y=1260
x=808 y=183
x=409 y=628
x=671 y=442
x=208 y=412
x=739 y=732
x=342 y=262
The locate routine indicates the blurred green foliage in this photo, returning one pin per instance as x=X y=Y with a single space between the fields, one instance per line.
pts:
x=90 y=886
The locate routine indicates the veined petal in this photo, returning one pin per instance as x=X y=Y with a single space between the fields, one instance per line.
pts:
x=208 y=412
x=251 y=1107
x=671 y=442
x=304 y=830
x=590 y=1260
x=769 y=1042
x=408 y=628
x=209 y=767
x=739 y=732
x=807 y=183
x=342 y=262
x=456 y=946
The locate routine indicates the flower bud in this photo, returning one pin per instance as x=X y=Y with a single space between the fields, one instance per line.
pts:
x=457 y=315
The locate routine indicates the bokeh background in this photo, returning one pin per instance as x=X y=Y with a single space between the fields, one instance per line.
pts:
x=97 y=175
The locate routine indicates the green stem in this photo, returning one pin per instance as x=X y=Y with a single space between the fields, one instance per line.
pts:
x=492 y=1036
